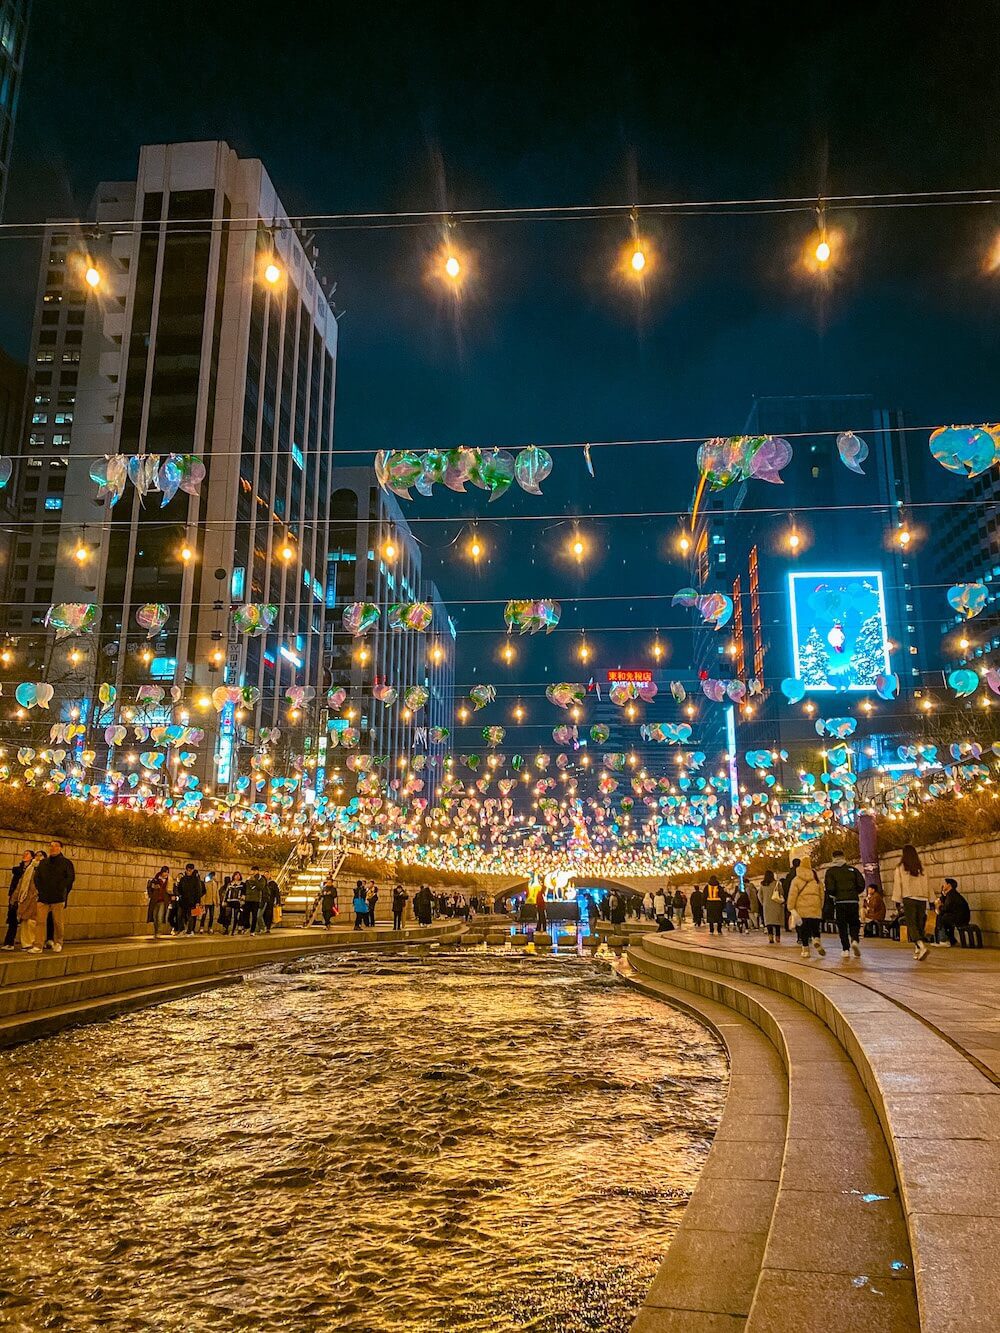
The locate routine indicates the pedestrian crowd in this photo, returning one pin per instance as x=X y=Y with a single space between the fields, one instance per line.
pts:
x=801 y=901
x=40 y=886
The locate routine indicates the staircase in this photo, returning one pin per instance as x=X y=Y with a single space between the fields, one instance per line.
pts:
x=300 y=888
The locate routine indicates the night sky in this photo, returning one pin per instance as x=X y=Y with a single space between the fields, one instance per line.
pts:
x=440 y=106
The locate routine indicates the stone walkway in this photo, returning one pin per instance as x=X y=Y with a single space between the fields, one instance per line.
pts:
x=955 y=991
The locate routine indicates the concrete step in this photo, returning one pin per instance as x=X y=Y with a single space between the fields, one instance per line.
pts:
x=837 y=1214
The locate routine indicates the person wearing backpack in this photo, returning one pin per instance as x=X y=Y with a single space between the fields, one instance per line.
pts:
x=360 y=906
x=845 y=884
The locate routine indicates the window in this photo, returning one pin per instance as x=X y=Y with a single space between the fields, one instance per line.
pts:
x=36 y=441
x=44 y=359
x=43 y=377
x=64 y=418
x=42 y=399
x=52 y=297
x=61 y=441
x=39 y=418
x=50 y=317
x=71 y=358
x=52 y=502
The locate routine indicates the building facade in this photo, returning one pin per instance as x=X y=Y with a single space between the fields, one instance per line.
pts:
x=209 y=333
x=14 y=18
x=830 y=594
x=373 y=557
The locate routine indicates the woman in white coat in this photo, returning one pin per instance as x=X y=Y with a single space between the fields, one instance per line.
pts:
x=909 y=890
x=805 y=898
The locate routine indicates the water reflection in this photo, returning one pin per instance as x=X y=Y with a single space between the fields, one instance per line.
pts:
x=357 y=1143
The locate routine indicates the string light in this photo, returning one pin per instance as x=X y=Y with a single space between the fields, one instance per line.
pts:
x=389 y=549
x=683 y=543
x=657 y=648
x=186 y=553
x=272 y=273
x=584 y=651
x=904 y=536
x=475 y=547
x=287 y=551
x=452 y=267
x=81 y=553
x=508 y=654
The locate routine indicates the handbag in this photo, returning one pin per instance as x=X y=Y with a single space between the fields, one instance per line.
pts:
x=794 y=920
x=277 y=913
x=777 y=896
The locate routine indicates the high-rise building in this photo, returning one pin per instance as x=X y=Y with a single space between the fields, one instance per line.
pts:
x=373 y=557
x=202 y=329
x=827 y=591
x=14 y=16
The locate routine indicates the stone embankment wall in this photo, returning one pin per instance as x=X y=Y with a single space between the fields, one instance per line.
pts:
x=976 y=866
x=109 y=895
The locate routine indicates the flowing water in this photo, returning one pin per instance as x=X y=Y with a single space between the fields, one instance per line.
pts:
x=356 y=1142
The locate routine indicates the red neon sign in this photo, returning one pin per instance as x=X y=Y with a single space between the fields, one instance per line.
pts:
x=637 y=677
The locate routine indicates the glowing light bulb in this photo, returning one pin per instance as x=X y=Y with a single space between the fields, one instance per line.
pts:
x=92 y=276
x=186 y=553
x=584 y=653
x=452 y=267
x=794 y=540
x=272 y=273
x=963 y=643
x=363 y=656
x=638 y=261
x=81 y=553
x=287 y=552
x=657 y=649
x=903 y=536
x=508 y=653
x=389 y=550
x=475 y=548
x=684 y=545
x=437 y=654
x=578 y=548
x=823 y=251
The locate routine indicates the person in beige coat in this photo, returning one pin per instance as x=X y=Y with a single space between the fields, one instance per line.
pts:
x=27 y=902
x=805 y=899
x=909 y=891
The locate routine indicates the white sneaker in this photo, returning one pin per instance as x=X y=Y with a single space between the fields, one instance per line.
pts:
x=805 y=953
x=56 y=948
x=34 y=949
x=916 y=951
x=820 y=950
x=922 y=951
x=846 y=954
x=856 y=949
x=7 y=948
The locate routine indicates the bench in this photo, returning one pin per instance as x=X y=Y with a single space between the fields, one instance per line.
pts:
x=970 y=936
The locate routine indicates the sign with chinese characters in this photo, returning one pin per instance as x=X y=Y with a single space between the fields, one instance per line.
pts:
x=637 y=677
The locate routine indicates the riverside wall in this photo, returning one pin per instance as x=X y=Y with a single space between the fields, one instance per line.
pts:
x=976 y=866
x=109 y=894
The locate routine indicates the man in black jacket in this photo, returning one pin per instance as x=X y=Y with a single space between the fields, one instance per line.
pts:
x=845 y=885
x=953 y=910
x=53 y=880
x=190 y=891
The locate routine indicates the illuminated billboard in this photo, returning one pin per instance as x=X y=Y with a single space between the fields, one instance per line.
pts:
x=840 y=640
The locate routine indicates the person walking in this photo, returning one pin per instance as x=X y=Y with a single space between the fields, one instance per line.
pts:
x=953 y=910
x=15 y=879
x=190 y=891
x=805 y=899
x=303 y=851
x=398 y=906
x=371 y=898
x=253 y=896
x=647 y=906
x=909 y=888
x=715 y=900
x=53 y=881
x=233 y=903
x=328 y=901
x=743 y=904
x=209 y=903
x=271 y=904
x=158 y=895
x=697 y=904
x=773 y=906
x=680 y=903
x=26 y=904
x=845 y=884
